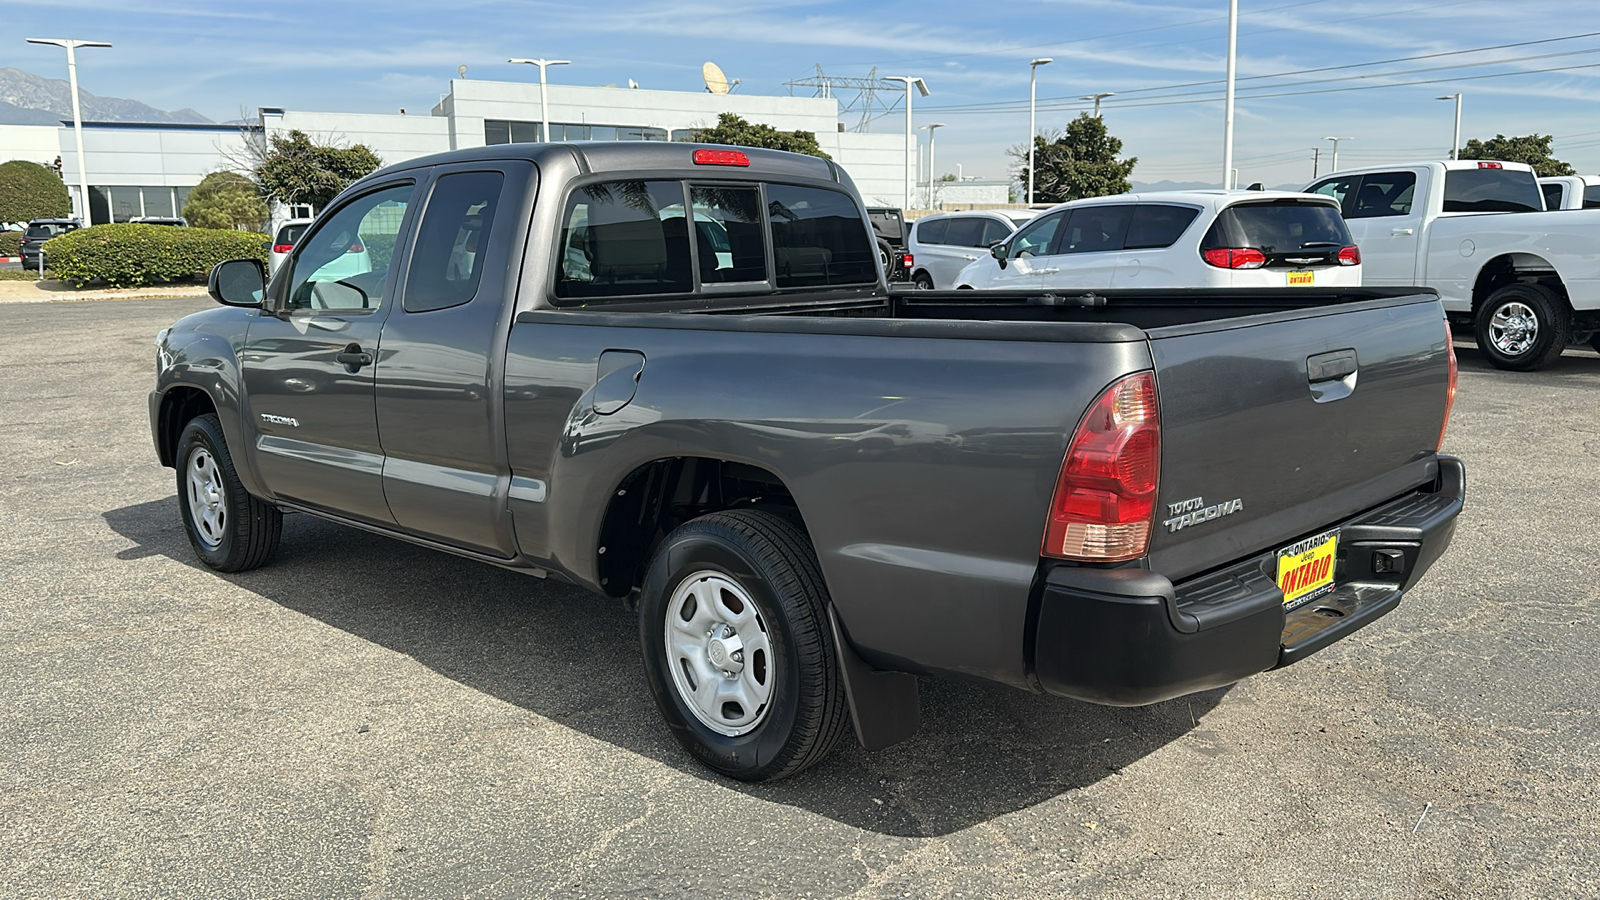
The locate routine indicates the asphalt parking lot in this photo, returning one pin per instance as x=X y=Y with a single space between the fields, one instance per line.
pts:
x=365 y=718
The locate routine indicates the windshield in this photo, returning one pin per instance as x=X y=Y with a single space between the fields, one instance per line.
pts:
x=1279 y=227
x=1491 y=190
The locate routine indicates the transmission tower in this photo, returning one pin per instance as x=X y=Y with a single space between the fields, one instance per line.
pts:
x=853 y=94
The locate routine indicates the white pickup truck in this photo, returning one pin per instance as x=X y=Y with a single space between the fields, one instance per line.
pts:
x=1571 y=191
x=1527 y=281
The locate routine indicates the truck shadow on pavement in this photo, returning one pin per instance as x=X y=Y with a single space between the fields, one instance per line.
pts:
x=557 y=651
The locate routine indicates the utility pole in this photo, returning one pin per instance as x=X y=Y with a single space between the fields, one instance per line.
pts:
x=1316 y=162
x=1455 y=140
x=77 y=116
x=1227 y=112
x=1033 y=93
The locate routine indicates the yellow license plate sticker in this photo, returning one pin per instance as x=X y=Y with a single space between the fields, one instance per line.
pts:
x=1306 y=569
x=1301 y=279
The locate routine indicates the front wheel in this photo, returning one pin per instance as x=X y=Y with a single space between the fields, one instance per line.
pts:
x=1522 y=327
x=230 y=530
x=737 y=646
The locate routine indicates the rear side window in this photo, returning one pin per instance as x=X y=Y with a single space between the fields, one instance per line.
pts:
x=1277 y=227
x=622 y=238
x=1155 y=226
x=996 y=230
x=1552 y=195
x=447 y=265
x=1491 y=190
x=1383 y=194
x=933 y=231
x=818 y=238
x=1095 y=229
x=966 y=231
x=727 y=232
x=1591 y=197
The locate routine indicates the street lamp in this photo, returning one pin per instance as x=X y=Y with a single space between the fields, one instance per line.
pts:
x=1097 y=98
x=1227 y=100
x=77 y=114
x=544 y=94
x=1455 y=140
x=1033 y=80
x=1336 y=141
x=932 y=172
x=911 y=136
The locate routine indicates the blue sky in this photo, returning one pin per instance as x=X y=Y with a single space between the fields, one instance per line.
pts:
x=1161 y=58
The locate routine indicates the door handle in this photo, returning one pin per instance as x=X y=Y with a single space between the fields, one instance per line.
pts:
x=1046 y=271
x=353 y=357
x=1403 y=231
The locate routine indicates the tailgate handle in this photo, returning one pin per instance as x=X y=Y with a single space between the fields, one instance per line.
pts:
x=1331 y=366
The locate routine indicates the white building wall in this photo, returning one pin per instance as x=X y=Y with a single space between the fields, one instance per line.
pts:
x=876 y=163
x=34 y=143
x=394 y=138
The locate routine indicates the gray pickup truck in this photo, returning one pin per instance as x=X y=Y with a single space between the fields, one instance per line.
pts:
x=673 y=375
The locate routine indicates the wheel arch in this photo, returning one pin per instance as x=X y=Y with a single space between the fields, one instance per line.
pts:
x=1514 y=268
x=179 y=405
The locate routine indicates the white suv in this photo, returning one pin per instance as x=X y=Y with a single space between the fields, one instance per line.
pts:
x=942 y=244
x=1176 y=239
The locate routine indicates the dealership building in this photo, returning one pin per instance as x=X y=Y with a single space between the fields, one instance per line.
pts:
x=149 y=169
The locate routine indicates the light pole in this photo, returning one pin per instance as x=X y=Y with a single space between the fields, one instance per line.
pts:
x=1335 y=163
x=1033 y=80
x=77 y=114
x=1097 y=98
x=911 y=136
x=544 y=93
x=1227 y=104
x=1455 y=139
x=932 y=172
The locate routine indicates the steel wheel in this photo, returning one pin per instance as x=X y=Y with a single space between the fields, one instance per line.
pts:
x=719 y=653
x=1513 y=328
x=208 y=497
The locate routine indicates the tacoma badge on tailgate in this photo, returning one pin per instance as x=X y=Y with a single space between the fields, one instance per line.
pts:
x=1194 y=511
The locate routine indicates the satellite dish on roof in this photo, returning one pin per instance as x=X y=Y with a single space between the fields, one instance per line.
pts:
x=716 y=82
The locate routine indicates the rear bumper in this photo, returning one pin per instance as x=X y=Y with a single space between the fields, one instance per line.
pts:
x=1128 y=637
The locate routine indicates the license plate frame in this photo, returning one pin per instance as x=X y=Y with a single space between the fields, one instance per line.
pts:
x=1302 y=278
x=1306 y=568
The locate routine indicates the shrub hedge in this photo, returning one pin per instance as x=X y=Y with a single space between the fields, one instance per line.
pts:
x=31 y=191
x=132 y=255
x=10 y=243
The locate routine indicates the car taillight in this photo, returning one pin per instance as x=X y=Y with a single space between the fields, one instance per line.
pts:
x=1490 y=165
x=1350 y=256
x=720 y=158
x=356 y=247
x=1235 y=258
x=1450 y=390
x=1105 y=499
x=909 y=261
x=282 y=248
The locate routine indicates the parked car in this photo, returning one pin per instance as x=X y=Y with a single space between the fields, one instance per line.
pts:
x=39 y=231
x=1571 y=191
x=284 y=240
x=1236 y=239
x=1526 y=281
x=889 y=229
x=811 y=488
x=943 y=243
x=175 y=221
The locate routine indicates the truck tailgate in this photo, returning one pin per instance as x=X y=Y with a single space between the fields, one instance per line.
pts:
x=1274 y=426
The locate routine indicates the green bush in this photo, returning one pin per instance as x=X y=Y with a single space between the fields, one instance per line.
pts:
x=31 y=191
x=10 y=243
x=130 y=255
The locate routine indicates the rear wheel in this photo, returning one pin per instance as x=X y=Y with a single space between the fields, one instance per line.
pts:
x=1595 y=341
x=1522 y=327
x=924 y=281
x=737 y=647
x=230 y=530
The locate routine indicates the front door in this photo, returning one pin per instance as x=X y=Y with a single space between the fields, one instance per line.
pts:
x=1088 y=250
x=309 y=359
x=1026 y=252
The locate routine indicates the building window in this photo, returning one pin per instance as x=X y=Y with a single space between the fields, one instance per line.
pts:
x=500 y=131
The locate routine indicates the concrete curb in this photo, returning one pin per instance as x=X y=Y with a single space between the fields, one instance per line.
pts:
x=30 y=292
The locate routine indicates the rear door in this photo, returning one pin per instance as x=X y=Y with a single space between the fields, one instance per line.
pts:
x=1088 y=249
x=1285 y=422
x=963 y=243
x=1148 y=258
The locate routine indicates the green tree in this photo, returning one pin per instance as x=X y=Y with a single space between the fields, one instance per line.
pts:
x=1533 y=149
x=1080 y=162
x=226 y=200
x=297 y=169
x=735 y=131
x=31 y=191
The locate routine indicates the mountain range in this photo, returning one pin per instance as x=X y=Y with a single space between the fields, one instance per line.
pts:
x=28 y=99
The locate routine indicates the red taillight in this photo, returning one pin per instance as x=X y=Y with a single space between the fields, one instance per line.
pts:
x=1490 y=165
x=1350 y=256
x=720 y=158
x=1450 y=390
x=282 y=248
x=356 y=247
x=1235 y=258
x=908 y=262
x=1105 y=499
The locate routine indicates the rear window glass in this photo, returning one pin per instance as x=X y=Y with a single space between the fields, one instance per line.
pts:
x=966 y=231
x=933 y=231
x=1277 y=227
x=727 y=232
x=1552 y=195
x=622 y=238
x=887 y=224
x=47 y=230
x=818 y=238
x=1491 y=190
x=452 y=241
x=290 y=234
x=1155 y=226
x=1591 y=197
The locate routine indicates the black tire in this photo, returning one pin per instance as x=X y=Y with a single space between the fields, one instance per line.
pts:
x=1522 y=327
x=247 y=533
x=885 y=257
x=924 y=281
x=1595 y=342
x=771 y=562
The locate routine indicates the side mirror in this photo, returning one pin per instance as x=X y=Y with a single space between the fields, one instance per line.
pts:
x=238 y=282
x=998 y=251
